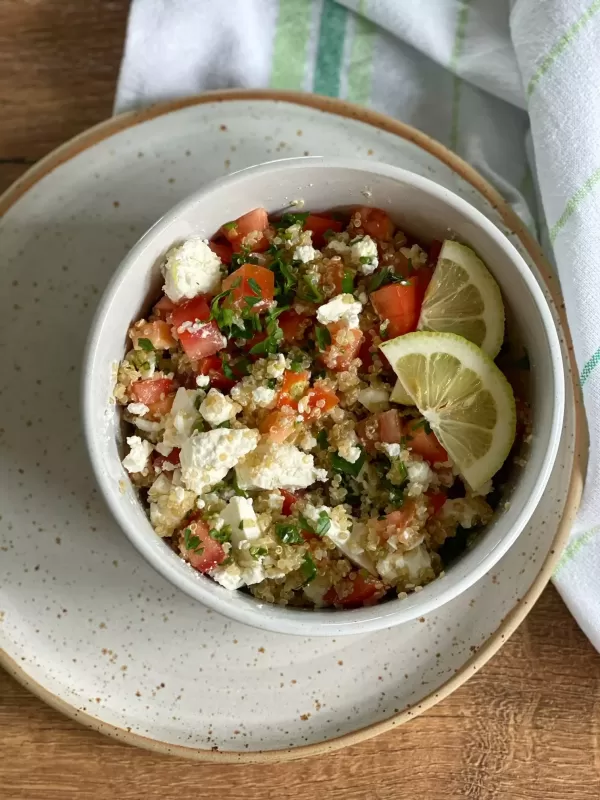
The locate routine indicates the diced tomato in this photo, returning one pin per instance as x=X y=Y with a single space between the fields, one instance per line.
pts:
x=367 y=431
x=434 y=252
x=390 y=426
x=278 y=425
x=248 y=231
x=213 y=367
x=424 y=444
x=397 y=521
x=289 y=501
x=244 y=292
x=362 y=591
x=375 y=222
x=293 y=387
x=436 y=501
x=157 y=332
x=367 y=351
x=163 y=307
x=208 y=553
x=400 y=304
x=321 y=399
x=158 y=461
x=156 y=393
x=333 y=276
x=198 y=340
x=293 y=325
x=223 y=250
x=194 y=310
x=319 y=226
x=344 y=347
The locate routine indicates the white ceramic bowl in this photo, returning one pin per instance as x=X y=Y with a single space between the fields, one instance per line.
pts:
x=426 y=210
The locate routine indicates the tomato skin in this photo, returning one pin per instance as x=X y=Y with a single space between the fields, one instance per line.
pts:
x=396 y=521
x=391 y=430
x=320 y=400
x=212 y=553
x=241 y=290
x=213 y=367
x=222 y=250
x=399 y=304
x=204 y=342
x=424 y=444
x=375 y=223
x=293 y=387
x=247 y=231
x=278 y=425
x=194 y=310
x=293 y=325
x=319 y=225
x=362 y=591
x=163 y=308
x=289 y=501
x=157 y=332
x=156 y=393
x=333 y=277
x=158 y=460
x=436 y=501
x=344 y=347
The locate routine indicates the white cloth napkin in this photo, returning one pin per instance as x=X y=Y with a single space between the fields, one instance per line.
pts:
x=512 y=87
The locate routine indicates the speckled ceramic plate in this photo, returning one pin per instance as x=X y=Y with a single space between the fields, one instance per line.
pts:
x=85 y=622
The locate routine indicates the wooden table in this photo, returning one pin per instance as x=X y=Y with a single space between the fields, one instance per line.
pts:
x=526 y=726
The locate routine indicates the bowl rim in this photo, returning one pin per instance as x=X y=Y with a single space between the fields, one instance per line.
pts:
x=299 y=621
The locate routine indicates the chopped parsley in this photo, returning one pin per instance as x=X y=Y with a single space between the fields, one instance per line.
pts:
x=242 y=365
x=146 y=345
x=422 y=423
x=297 y=365
x=385 y=276
x=226 y=367
x=192 y=542
x=292 y=218
x=309 y=290
x=339 y=464
x=323 y=337
x=366 y=259
x=222 y=535
x=270 y=344
x=348 y=282
x=288 y=533
x=320 y=527
x=398 y=474
x=229 y=226
x=286 y=278
x=239 y=259
x=272 y=383
x=256 y=552
x=198 y=426
x=253 y=284
x=236 y=487
x=226 y=424
x=308 y=569
x=322 y=440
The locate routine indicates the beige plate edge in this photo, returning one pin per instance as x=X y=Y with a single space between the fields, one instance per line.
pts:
x=510 y=623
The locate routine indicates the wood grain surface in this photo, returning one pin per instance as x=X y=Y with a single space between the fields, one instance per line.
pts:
x=527 y=726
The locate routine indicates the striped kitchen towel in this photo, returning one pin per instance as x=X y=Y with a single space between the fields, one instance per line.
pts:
x=513 y=86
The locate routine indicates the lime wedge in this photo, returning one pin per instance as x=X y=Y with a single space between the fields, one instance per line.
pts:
x=464 y=298
x=466 y=399
x=400 y=396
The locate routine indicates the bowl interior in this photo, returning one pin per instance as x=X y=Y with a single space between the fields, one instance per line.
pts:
x=418 y=206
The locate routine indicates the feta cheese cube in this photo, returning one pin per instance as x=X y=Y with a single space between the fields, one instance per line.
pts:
x=391 y=450
x=180 y=419
x=202 y=381
x=374 y=398
x=263 y=396
x=190 y=269
x=240 y=516
x=346 y=534
x=206 y=458
x=234 y=576
x=305 y=253
x=407 y=566
x=342 y=308
x=139 y=453
x=138 y=409
x=420 y=476
x=216 y=408
x=278 y=466
x=363 y=253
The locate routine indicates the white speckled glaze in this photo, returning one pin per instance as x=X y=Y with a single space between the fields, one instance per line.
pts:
x=84 y=620
x=422 y=207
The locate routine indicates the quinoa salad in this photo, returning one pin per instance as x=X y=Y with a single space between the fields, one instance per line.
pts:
x=275 y=444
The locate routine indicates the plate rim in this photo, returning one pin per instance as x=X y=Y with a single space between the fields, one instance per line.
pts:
x=513 y=619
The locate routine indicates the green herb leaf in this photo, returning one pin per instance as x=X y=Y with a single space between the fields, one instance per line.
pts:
x=309 y=290
x=242 y=366
x=239 y=259
x=274 y=335
x=398 y=474
x=322 y=337
x=236 y=487
x=292 y=218
x=320 y=527
x=308 y=569
x=322 y=440
x=288 y=533
x=191 y=542
x=396 y=495
x=422 y=423
x=226 y=424
x=348 y=282
x=384 y=276
x=199 y=426
x=227 y=371
x=366 y=259
x=146 y=345
x=252 y=301
x=229 y=226
x=271 y=383
x=222 y=535
x=253 y=284
x=339 y=464
x=297 y=365
x=256 y=552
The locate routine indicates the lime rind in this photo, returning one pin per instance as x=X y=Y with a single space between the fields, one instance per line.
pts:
x=466 y=399
x=464 y=298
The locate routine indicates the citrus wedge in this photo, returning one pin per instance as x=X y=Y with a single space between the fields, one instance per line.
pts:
x=466 y=399
x=464 y=298
x=400 y=396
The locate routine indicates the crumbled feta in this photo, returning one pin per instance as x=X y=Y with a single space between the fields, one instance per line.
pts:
x=308 y=441
x=240 y=516
x=408 y=565
x=415 y=254
x=138 y=409
x=420 y=476
x=374 y=399
x=363 y=253
x=169 y=504
x=180 y=419
x=305 y=253
x=234 y=576
x=206 y=458
x=190 y=269
x=139 y=453
x=391 y=450
x=276 y=366
x=348 y=537
x=339 y=244
x=317 y=589
x=216 y=408
x=278 y=466
x=343 y=308
x=263 y=396
x=202 y=381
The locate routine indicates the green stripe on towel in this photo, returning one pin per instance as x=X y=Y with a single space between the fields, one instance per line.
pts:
x=573 y=204
x=575 y=547
x=589 y=367
x=330 y=49
x=360 y=68
x=459 y=40
x=291 y=39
